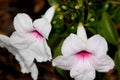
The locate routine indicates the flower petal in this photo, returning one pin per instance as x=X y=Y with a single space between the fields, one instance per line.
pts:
x=22 y=65
x=21 y=40
x=24 y=57
x=27 y=56
x=72 y=45
x=103 y=64
x=85 y=78
x=83 y=70
x=81 y=32
x=97 y=45
x=15 y=52
x=47 y=49
x=64 y=62
x=34 y=71
x=4 y=41
x=49 y=13
x=39 y=51
x=43 y=26
x=23 y=23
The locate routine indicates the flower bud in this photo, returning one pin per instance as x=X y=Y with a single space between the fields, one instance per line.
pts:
x=90 y=3
x=92 y=19
x=64 y=7
x=77 y=7
x=61 y=17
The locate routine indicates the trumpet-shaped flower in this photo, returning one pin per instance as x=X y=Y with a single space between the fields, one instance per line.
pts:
x=5 y=42
x=28 y=41
x=83 y=56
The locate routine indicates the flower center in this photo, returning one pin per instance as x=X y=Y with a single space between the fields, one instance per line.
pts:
x=37 y=34
x=83 y=54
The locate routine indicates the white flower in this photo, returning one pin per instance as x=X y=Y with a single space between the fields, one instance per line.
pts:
x=28 y=41
x=83 y=56
x=5 y=42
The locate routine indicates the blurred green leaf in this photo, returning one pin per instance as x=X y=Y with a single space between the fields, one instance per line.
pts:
x=117 y=60
x=91 y=26
x=62 y=73
x=52 y=2
x=57 y=50
x=52 y=39
x=107 y=29
x=116 y=15
x=99 y=6
x=80 y=3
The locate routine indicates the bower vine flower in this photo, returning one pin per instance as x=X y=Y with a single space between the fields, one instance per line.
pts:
x=28 y=41
x=84 y=56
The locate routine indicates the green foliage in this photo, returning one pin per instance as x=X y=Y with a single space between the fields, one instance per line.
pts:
x=117 y=60
x=99 y=6
x=116 y=15
x=52 y=2
x=57 y=50
x=62 y=73
x=107 y=29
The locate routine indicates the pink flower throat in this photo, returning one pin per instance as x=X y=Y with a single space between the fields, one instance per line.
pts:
x=37 y=34
x=83 y=54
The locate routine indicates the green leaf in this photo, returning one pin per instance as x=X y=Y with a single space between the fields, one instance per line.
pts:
x=116 y=15
x=99 y=6
x=57 y=50
x=52 y=39
x=91 y=26
x=52 y=2
x=62 y=73
x=107 y=29
x=117 y=60
x=80 y=3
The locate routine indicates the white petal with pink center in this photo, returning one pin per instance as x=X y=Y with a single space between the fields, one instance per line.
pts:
x=28 y=41
x=83 y=56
